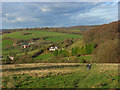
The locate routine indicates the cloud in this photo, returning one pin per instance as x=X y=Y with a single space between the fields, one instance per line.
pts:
x=106 y=11
x=12 y=18
x=44 y=14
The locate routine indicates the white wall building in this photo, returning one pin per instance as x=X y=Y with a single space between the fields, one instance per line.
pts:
x=53 y=48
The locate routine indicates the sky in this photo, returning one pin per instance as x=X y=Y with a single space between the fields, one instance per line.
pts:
x=57 y=14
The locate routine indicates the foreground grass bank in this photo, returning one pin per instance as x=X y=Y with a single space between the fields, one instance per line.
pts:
x=61 y=75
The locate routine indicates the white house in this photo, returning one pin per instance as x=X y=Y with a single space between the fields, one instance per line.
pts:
x=56 y=48
x=11 y=58
x=53 y=48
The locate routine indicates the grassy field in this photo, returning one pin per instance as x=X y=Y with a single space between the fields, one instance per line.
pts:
x=30 y=52
x=60 y=75
x=75 y=30
x=86 y=57
x=49 y=36
x=43 y=56
x=52 y=35
x=5 y=43
x=76 y=44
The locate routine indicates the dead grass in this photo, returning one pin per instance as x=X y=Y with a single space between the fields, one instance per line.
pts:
x=40 y=73
x=12 y=66
x=53 y=71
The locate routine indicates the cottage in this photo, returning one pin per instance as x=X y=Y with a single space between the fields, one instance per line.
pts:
x=14 y=45
x=53 y=48
x=25 y=45
x=31 y=43
x=11 y=58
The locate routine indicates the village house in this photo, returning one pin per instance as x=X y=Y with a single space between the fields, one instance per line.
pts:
x=11 y=58
x=31 y=43
x=14 y=45
x=53 y=48
x=25 y=45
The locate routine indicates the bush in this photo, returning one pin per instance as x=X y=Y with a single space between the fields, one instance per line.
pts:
x=37 y=53
x=23 y=59
x=87 y=49
x=82 y=60
x=6 y=60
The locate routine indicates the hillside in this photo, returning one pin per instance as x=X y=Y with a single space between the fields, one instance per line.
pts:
x=82 y=27
x=106 y=38
x=37 y=37
x=102 y=33
x=28 y=61
x=74 y=45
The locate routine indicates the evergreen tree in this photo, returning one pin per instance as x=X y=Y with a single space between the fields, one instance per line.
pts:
x=56 y=52
x=72 y=52
x=76 y=49
x=92 y=48
x=7 y=60
x=60 y=52
x=80 y=50
x=84 y=50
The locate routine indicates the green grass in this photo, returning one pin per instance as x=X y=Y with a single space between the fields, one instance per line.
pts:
x=12 y=50
x=43 y=56
x=52 y=36
x=36 y=34
x=75 y=30
x=94 y=78
x=58 y=38
x=6 y=43
x=79 y=43
x=30 y=52
x=86 y=57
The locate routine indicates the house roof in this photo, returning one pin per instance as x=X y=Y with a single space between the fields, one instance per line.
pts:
x=24 y=43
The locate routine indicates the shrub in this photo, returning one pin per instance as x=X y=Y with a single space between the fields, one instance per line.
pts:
x=23 y=59
x=37 y=53
x=6 y=60
x=82 y=60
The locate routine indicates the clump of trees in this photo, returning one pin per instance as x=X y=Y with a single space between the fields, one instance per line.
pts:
x=87 y=49
x=40 y=51
x=67 y=42
x=62 y=53
x=6 y=60
x=23 y=59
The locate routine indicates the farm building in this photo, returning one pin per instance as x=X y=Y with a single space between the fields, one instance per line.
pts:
x=25 y=45
x=11 y=58
x=14 y=45
x=53 y=48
